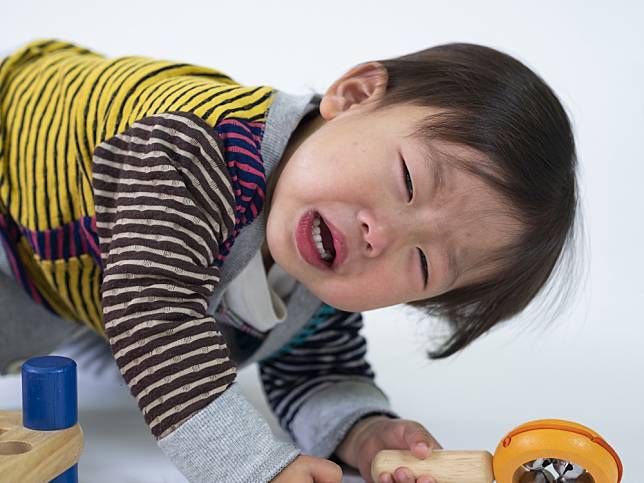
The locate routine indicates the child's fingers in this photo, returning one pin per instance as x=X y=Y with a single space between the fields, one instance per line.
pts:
x=404 y=475
x=419 y=441
x=421 y=450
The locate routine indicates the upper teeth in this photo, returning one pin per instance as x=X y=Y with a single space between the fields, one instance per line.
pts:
x=317 y=238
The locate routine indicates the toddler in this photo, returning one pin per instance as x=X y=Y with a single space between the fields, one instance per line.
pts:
x=199 y=225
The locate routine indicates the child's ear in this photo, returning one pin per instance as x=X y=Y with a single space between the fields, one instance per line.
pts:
x=361 y=85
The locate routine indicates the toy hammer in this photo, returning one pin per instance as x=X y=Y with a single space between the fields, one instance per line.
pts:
x=541 y=451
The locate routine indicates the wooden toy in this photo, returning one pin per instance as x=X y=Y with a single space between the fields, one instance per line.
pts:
x=541 y=451
x=44 y=441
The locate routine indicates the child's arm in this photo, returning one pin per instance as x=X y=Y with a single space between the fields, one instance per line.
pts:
x=320 y=385
x=164 y=205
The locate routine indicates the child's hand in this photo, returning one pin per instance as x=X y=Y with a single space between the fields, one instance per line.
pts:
x=309 y=469
x=380 y=432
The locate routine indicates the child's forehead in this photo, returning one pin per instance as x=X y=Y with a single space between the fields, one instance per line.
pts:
x=412 y=113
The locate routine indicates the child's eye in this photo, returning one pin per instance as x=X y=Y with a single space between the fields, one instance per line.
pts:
x=423 y=267
x=410 y=190
x=423 y=260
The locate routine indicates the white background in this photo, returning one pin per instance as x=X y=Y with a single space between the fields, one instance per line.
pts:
x=586 y=366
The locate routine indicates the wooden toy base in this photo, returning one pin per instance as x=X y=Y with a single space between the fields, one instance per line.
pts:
x=36 y=456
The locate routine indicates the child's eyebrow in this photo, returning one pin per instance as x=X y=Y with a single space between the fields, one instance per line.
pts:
x=438 y=175
x=434 y=161
x=439 y=166
x=436 y=165
x=453 y=265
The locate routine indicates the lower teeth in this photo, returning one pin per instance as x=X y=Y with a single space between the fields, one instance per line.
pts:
x=326 y=257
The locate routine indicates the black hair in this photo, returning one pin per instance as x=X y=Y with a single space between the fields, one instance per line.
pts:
x=495 y=106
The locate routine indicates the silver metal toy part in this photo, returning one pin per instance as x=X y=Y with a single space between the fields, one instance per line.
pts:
x=552 y=470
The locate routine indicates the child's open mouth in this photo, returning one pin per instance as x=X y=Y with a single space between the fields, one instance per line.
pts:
x=314 y=241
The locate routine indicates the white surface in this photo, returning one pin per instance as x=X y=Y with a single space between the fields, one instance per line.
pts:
x=587 y=366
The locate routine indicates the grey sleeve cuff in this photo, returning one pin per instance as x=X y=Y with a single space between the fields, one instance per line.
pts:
x=326 y=417
x=228 y=440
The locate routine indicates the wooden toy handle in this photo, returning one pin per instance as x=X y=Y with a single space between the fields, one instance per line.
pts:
x=444 y=466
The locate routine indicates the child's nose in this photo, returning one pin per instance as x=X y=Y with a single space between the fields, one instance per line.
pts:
x=379 y=233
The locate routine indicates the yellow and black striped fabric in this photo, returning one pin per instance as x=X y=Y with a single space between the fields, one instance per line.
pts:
x=58 y=101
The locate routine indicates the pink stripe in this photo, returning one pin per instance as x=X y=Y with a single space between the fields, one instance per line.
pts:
x=82 y=236
x=254 y=210
x=250 y=169
x=59 y=239
x=237 y=135
x=90 y=238
x=258 y=126
x=34 y=242
x=245 y=152
x=248 y=185
x=59 y=234
x=32 y=288
x=87 y=238
x=235 y=122
x=259 y=190
x=34 y=293
x=72 y=242
x=48 y=244
x=12 y=262
x=257 y=138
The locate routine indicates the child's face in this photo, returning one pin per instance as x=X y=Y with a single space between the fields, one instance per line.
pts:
x=347 y=165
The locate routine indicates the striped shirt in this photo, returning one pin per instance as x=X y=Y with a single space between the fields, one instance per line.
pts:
x=163 y=206
x=143 y=173
x=133 y=207
x=58 y=102
x=327 y=351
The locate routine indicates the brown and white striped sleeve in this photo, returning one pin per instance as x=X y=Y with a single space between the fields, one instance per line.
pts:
x=164 y=203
